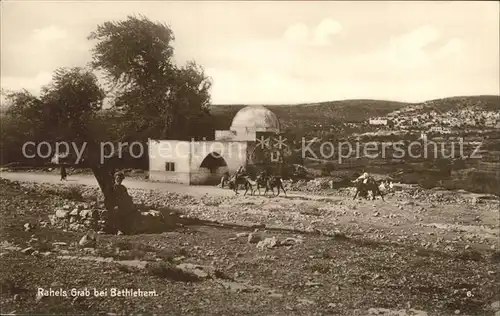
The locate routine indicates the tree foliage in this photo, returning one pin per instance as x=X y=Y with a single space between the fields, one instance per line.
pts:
x=22 y=122
x=70 y=102
x=157 y=98
x=63 y=112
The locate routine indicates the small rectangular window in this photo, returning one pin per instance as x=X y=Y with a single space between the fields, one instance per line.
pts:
x=169 y=166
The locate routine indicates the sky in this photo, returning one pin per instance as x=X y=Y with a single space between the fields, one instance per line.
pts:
x=279 y=52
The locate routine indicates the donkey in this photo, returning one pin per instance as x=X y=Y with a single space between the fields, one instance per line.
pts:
x=235 y=182
x=363 y=188
x=274 y=182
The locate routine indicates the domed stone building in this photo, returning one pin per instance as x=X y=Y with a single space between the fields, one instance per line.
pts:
x=204 y=162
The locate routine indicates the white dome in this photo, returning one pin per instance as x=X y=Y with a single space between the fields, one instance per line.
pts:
x=256 y=118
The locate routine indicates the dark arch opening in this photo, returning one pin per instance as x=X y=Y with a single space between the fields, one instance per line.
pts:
x=213 y=161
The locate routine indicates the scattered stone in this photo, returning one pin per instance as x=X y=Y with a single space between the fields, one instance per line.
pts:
x=87 y=241
x=495 y=306
x=74 y=212
x=153 y=213
x=85 y=213
x=61 y=213
x=28 y=250
x=91 y=251
x=179 y=259
x=201 y=272
x=305 y=301
x=28 y=227
x=276 y=295
x=241 y=234
x=291 y=241
x=267 y=243
x=53 y=220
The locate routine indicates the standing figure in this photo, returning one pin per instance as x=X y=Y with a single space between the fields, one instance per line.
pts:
x=64 y=173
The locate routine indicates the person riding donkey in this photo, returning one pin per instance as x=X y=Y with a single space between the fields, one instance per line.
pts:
x=241 y=172
x=365 y=177
x=365 y=183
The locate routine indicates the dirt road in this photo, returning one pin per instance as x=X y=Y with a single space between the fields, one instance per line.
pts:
x=129 y=182
x=194 y=190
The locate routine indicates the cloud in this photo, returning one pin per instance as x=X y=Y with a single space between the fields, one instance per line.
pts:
x=49 y=34
x=408 y=50
x=32 y=84
x=418 y=38
x=420 y=48
x=299 y=33
x=324 y=30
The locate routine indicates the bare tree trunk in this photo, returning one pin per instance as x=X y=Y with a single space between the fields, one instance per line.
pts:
x=118 y=208
x=105 y=179
x=104 y=174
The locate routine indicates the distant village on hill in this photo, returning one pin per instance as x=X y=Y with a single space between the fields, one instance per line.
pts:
x=416 y=118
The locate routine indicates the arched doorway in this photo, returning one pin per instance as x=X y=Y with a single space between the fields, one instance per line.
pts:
x=212 y=168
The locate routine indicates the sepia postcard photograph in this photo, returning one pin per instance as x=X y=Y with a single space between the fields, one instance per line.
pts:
x=250 y=158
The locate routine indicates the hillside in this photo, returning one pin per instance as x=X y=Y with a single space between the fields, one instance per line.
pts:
x=481 y=102
x=326 y=115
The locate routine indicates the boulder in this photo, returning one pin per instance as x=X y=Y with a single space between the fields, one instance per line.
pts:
x=85 y=213
x=495 y=306
x=87 y=241
x=202 y=272
x=27 y=227
x=291 y=241
x=61 y=213
x=267 y=243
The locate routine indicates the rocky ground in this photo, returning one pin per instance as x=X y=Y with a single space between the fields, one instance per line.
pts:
x=418 y=253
